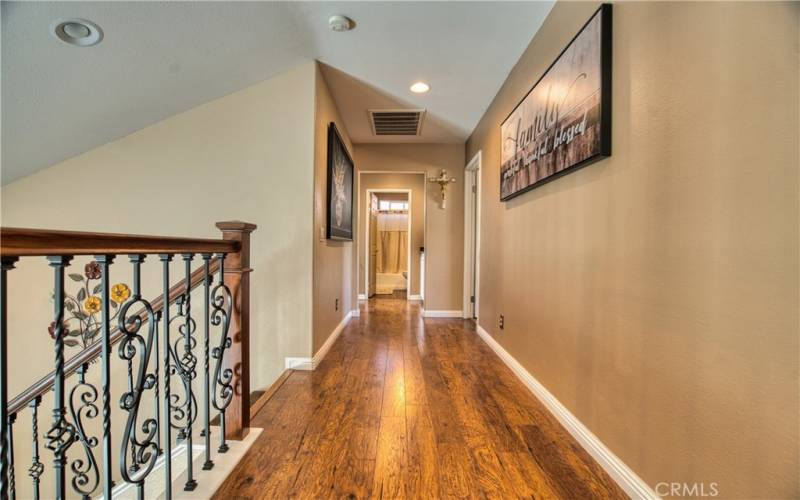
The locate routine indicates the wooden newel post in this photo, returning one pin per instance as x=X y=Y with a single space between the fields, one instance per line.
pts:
x=237 y=278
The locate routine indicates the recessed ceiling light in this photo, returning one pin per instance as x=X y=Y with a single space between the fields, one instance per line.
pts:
x=78 y=32
x=420 y=88
x=341 y=23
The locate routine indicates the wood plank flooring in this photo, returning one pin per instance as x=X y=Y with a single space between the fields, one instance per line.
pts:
x=403 y=407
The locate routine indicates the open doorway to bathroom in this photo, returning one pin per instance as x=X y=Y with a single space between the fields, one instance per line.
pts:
x=389 y=255
x=391 y=235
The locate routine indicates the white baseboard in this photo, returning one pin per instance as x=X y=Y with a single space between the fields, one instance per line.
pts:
x=313 y=363
x=320 y=355
x=441 y=314
x=208 y=480
x=415 y=297
x=631 y=483
x=362 y=296
x=298 y=364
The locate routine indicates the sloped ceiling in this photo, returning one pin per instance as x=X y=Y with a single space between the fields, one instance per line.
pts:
x=161 y=58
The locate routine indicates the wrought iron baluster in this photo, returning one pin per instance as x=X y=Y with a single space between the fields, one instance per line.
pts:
x=208 y=464
x=189 y=363
x=7 y=265
x=144 y=445
x=37 y=467
x=222 y=388
x=165 y=260
x=12 y=480
x=62 y=434
x=134 y=465
x=86 y=472
x=105 y=368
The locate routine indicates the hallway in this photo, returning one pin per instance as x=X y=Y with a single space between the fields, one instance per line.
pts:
x=406 y=408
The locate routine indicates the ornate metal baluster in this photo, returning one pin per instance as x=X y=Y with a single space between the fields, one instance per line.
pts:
x=189 y=363
x=165 y=260
x=134 y=462
x=12 y=480
x=145 y=445
x=105 y=369
x=208 y=464
x=7 y=265
x=62 y=434
x=37 y=467
x=86 y=473
x=222 y=388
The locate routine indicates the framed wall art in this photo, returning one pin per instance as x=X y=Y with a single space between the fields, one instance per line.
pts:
x=340 y=188
x=564 y=122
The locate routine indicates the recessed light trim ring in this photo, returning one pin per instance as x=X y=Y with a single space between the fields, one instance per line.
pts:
x=78 y=32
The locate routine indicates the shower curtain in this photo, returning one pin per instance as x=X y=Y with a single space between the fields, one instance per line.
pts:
x=392 y=243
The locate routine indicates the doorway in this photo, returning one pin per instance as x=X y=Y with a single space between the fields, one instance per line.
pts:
x=389 y=243
x=472 y=236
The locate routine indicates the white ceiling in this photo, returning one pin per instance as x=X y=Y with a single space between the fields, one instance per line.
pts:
x=161 y=58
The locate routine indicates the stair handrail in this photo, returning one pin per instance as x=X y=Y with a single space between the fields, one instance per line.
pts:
x=25 y=242
x=225 y=306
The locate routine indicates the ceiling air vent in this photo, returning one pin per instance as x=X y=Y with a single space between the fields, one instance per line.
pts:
x=396 y=121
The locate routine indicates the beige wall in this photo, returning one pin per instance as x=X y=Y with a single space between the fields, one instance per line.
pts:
x=414 y=182
x=655 y=293
x=247 y=156
x=444 y=229
x=334 y=261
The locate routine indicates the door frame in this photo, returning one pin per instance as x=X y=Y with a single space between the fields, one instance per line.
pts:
x=472 y=219
x=368 y=194
x=422 y=281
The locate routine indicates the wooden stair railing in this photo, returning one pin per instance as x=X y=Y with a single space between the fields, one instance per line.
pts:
x=224 y=321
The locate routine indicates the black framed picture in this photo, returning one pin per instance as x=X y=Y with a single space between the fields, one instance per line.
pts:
x=340 y=187
x=564 y=122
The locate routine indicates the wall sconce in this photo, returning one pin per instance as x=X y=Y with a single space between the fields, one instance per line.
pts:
x=443 y=180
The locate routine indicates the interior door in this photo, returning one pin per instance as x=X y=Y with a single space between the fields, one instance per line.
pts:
x=373 y=243
x=473 y=177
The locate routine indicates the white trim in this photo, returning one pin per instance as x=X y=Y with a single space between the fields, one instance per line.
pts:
x=441 y=314
x=320 y=355
x=415 y=297
x=308 y=364
x=355 y=313
x=362 y=296
x=298 y=364
x=631 y=483
x=224 y=464
x=424 y=174
x=176 y=452
x=408 y=246
x=474 y=165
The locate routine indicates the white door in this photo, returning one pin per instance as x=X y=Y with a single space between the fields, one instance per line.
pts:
x=472 y=180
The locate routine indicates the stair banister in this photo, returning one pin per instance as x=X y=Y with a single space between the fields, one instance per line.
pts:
x=187 y=345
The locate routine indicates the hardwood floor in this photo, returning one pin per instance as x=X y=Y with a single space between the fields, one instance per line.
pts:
x=403 y=407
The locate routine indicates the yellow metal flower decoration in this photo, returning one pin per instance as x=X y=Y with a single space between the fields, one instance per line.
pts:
x=92 y=304
x=120 y=293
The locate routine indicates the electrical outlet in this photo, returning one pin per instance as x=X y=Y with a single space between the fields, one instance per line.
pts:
x=502 y=321
x=337 y=304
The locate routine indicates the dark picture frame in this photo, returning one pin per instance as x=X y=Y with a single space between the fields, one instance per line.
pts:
x=341 y=174
x=563 y=123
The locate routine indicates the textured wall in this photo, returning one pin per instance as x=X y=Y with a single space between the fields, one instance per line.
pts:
x=655 y=293
x=244 y=156
x=444 y=229
x=334 y=261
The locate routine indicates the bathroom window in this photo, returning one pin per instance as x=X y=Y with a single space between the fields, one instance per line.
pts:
x=392 y=205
